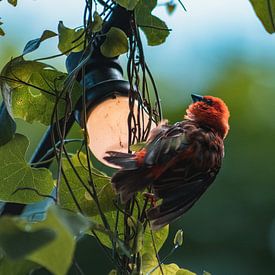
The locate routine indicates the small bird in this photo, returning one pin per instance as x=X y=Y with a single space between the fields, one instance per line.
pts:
x=178 y=162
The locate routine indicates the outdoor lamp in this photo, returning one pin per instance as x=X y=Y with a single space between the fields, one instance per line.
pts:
x=107 y=106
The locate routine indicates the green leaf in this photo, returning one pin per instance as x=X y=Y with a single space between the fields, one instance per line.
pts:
x=111 y=218
x=147 y=246
x=138 y=146
x=265 y=10
x=159 y=237
x=20 y=267
x=155 y=29
x=149 y=263
x=112 y=272
x=75 y=222
x=102 y=182
x=30 y=90
x=70 y=40
x=49 y=243
x=127 y=4
x=13 y=2
x=115 y=44
x=178 y=240
x=35 y=43
x=2 y=33
x=12 y=236
x=183 y=271
x=57 y=255
x=7 y=125
x=97 y=22
x=16 y=173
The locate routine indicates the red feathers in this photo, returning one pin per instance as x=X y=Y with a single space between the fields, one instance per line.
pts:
x=139 y=156
x=211 y=111
x=179 y=162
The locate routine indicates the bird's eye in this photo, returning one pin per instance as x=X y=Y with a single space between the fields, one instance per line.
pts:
x=208 y=102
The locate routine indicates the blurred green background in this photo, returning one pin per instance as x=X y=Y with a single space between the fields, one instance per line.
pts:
x=218 y=48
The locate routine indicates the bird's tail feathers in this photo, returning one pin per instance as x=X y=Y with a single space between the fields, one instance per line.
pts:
x=123 y=160
x=159 y=218
x=128 y=182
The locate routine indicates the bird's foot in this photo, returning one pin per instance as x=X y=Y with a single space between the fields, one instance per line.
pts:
x=151 y=197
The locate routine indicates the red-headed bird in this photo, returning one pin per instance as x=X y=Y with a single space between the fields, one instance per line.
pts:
x=178 y=162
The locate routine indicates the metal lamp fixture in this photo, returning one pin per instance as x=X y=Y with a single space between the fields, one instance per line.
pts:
x=106 y=105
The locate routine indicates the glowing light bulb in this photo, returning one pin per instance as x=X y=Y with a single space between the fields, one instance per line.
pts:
x=108 y=127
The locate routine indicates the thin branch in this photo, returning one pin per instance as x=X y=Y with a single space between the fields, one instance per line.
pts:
x=34 y=190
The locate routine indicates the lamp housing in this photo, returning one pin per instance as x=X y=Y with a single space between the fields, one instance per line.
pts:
x=106 y=106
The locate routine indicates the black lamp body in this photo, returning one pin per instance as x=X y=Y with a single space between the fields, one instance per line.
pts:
x=103 y=79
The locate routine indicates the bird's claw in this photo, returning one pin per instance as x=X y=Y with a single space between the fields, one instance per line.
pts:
x=151 y=197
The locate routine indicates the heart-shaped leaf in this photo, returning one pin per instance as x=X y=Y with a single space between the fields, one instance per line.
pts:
x=101 y=181
x=155 y=29
x=31 y=89
x=70 y=40
x=16 y=174
x=115 y=44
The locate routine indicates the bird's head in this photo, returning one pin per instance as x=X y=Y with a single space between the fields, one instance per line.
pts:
x=209 y=111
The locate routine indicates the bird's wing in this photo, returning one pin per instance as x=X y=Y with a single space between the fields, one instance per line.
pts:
x=195 y=158
x=167 y=144
x=164 y=145
x=178 y=194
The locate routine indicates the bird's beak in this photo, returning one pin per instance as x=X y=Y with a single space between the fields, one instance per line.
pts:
x=196 y=98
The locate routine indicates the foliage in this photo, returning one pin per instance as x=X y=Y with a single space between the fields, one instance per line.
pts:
x=49 y=243
x=265 y=10
x=115 y=44
x=150 y=263
x=154 y=28
x=32 y=90
x=16 y=174
x=37 y=92
x=83 y=192
x=70 y=39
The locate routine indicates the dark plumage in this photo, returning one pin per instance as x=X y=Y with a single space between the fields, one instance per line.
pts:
x=179 y=161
